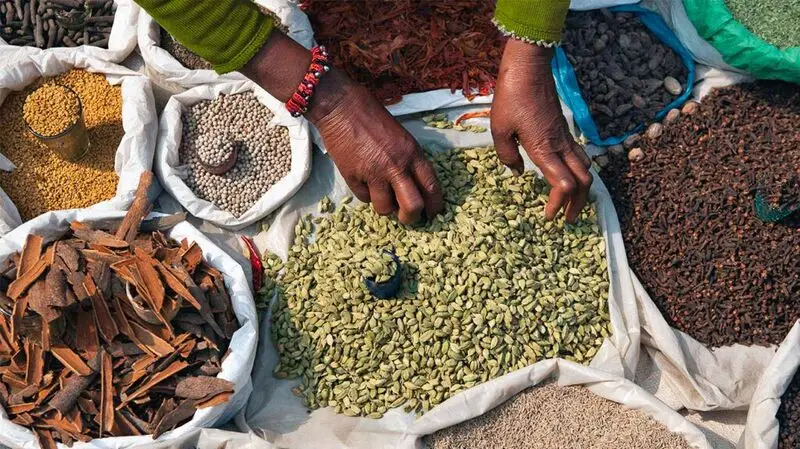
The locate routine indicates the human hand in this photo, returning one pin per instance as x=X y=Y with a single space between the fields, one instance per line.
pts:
x=526 y=110
x=380 y=161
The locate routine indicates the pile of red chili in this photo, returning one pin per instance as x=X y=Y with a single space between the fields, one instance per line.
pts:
x=400 y=47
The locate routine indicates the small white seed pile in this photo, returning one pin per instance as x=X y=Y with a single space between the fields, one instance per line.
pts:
x=553 y=417
x=211 y=129
x=215 y=149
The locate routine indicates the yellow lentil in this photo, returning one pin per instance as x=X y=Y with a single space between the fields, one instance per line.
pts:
x=43 y=181
x=51 y=109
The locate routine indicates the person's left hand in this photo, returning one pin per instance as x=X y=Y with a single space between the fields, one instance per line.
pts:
x=526 y=110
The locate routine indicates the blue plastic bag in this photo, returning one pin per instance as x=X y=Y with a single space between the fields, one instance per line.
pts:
x=570 y=92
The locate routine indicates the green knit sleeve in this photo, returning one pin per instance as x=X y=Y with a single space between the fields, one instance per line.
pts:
x=226 y=33
x=536 y=21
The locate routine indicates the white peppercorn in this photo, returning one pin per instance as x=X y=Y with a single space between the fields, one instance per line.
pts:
x=211 y=131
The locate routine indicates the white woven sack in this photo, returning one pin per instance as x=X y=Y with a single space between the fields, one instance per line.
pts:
x=139 y=118
x=121 y=42
x=171 y=173
x=164 y=66
x=762 y=428
x=237 y=364
x=276 y=412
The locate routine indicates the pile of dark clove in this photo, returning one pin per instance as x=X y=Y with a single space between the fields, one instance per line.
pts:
x=693 y=234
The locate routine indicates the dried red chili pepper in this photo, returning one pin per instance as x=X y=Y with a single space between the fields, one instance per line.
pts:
x=399 y=47
x=255 y=264
x=473 y=114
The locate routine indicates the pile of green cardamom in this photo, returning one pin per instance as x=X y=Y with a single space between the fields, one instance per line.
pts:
x=379 y=266
x=489 y=286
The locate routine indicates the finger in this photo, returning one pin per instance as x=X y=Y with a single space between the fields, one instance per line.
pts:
x=583 y=180
x=359 y=189
x=562 y=183
x=508 y=151
x=409 y=199
x=425 y=177
x=578 y=151
x=382 y=198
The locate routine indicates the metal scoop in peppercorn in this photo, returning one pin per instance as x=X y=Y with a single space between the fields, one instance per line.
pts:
x=227 y=162
x=387 y=289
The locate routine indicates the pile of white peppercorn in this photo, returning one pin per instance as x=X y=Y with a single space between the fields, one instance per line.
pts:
x=211 y=131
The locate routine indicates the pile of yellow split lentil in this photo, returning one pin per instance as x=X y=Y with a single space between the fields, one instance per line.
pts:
x=42 y=180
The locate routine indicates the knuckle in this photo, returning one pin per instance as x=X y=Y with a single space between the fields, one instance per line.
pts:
x=589 y=181
x=585 y=179
x=431 y=187
x=567 y=186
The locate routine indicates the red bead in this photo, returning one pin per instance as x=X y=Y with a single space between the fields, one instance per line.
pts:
x=298 y=103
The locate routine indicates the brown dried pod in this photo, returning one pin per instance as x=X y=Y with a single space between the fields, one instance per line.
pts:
x=672 y=85
x=672 y=116
x=635 y=154
x=690 y=107
x=655 y=130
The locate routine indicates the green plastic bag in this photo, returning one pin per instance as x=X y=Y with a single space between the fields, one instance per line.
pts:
x=738 y=46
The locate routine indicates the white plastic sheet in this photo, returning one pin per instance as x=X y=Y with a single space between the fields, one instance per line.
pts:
x=699 y=377
x=762 y=429
x=164 y=66
x=121 y=42
x=236 y=366
x=282 y=419
x=139 y=118
x=171 y=173
x=402 y=431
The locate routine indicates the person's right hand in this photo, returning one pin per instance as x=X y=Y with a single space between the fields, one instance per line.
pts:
x=380 y=161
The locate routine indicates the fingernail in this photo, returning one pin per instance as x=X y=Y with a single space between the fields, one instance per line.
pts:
x=516 y=172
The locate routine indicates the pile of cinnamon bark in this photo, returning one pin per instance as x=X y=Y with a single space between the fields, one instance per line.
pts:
x=113 y=329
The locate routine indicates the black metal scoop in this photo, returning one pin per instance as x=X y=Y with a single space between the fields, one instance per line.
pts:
x=387 y=289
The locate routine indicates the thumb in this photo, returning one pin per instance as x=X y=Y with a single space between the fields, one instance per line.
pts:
x=508 y=151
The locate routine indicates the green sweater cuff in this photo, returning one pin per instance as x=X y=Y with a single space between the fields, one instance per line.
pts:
x=226 y=33
x=535 y=21
x=245 y=54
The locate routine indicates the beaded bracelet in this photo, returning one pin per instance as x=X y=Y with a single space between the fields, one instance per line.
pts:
x=297 y=104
